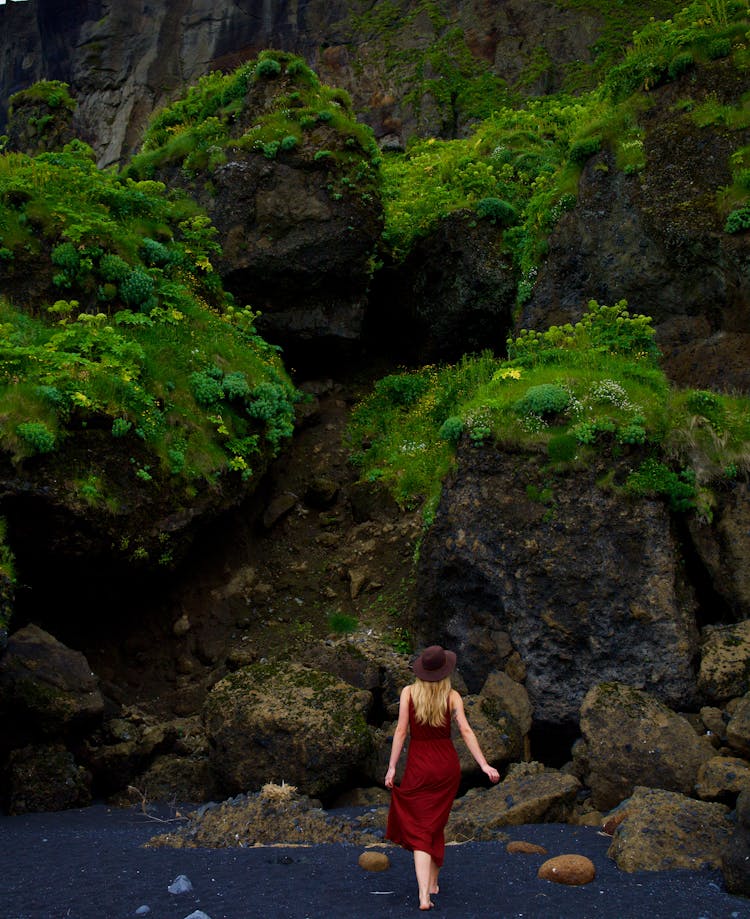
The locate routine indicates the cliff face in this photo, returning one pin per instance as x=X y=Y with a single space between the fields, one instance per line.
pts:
x=124 y=60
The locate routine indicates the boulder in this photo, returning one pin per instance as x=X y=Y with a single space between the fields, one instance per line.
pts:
x=632 y=739
x=278 y=722
x=735 y=862
x=481 y=814
x=574 y=870
x=45 y=778
x=510 y=696
x=497 y=731
x=722 y=778
x=738 y=727
x=665 y=830
x=45 y=687
x=724 y=656
x=597 y=594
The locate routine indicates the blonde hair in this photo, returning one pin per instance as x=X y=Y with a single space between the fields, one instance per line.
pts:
x=431 y=700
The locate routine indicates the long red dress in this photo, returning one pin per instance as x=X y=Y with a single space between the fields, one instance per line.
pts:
x=421 y=804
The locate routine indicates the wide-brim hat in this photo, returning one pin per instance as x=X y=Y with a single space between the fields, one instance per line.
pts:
x=434 y=663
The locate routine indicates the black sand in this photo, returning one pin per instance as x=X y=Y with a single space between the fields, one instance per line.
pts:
x=90 y=864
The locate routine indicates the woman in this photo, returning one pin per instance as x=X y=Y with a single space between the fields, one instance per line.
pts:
x=420 y=806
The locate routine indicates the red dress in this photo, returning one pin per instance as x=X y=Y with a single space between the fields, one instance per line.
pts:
x=421 y=804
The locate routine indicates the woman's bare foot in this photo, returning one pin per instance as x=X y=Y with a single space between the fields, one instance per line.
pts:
x=435 y=890
x=428 y=905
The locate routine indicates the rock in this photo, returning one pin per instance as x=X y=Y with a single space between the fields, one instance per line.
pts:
x=374 y=861
x=45 y=686
x=511 y=696
x=724 y=655
x=738 y=728
x=181 y=884
x=518 y=846
x=724 y=548
x=665 y=830
x=714 y=723
x=735 y=862
x=371 y=501
x=632 y=739
x=454 y=293
x=278 y=508
x=181 y=626
x=568 y=869
x=649 y=239
x=600 y=595
x=321 y=492
x=722 y=778
x=497 y=731
x=482 y=813
x=178 y=779
x=284 y=722
x=46 y=778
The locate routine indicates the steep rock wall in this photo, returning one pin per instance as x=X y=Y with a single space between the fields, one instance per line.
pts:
x=126 y=59
x=555 y=576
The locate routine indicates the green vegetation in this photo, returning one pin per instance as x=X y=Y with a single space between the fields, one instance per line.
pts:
x=131 y=330
x=572 y=392
x=273 y=106
x=521 y=165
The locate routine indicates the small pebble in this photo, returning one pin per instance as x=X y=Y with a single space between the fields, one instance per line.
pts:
x=143 y=910
x=198 y=914
x=181 y=884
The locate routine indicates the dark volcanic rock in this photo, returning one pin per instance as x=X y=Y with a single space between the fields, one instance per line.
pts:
x=46 y=778
x=454 y=293
x=657 y=240
x=126 y=59
x=46 y=687
x=587 y=584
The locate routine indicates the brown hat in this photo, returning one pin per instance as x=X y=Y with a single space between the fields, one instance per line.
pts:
x=434 y=664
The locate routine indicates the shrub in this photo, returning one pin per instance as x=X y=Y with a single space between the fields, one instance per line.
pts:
x=155 y=253
x=738 y=221
x=288 y=143
x=36 y=435
x=206 y=389
x=654 y=478
x=120 y=427
x=267 y=68
x=235 y=385
x=680 y=64
x=272 y=403
x=497 y=211
x=112 y=268
x=544 y=399
x=342 y=623
x=451 y=429
x=581 y=150
x=137 y=288
x=66 y=256
x=402 y=388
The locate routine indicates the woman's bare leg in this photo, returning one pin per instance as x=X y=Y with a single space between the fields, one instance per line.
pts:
x=423 y=870
x=434 y=872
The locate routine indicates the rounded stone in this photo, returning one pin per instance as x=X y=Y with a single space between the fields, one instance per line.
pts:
x=519 y=846
x=568 y=869
x=374 y=861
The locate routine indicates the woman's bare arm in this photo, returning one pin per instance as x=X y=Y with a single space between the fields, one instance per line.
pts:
x=470 y=738
x=399 y=735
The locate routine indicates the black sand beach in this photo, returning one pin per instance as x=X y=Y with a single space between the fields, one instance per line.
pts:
x=90 y=864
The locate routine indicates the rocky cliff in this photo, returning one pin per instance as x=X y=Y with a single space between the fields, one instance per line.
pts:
x=403 y=62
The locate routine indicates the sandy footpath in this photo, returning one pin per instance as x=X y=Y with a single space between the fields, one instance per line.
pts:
x=90 y=864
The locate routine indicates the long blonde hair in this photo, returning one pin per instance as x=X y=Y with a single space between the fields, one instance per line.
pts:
x=431 y=700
